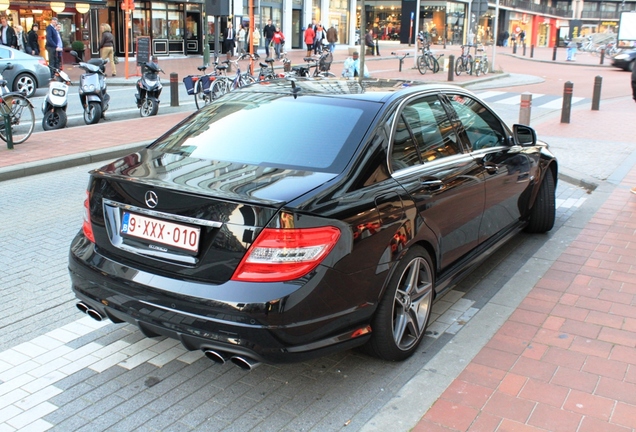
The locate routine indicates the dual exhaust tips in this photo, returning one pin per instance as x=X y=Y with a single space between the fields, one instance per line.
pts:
x=244 y=363
x=83 y=307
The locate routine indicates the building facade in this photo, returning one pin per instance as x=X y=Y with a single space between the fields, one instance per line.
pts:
x=184 y=27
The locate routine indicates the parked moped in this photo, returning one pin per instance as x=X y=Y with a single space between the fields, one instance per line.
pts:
x=56 y=101
x=92 y=89
x=148 y=90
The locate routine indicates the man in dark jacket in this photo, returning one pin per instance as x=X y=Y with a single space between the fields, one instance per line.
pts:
x=268 y=34
x=8 y=34
x=52 y=45
x=33 y=47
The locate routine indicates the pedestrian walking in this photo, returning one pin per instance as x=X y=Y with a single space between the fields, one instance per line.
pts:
x=368 y=42
x=106 y=47
x=571 y=51
x=332 y=37
x=268 y=34
x=240 y=37
x=21 y=37
x=8 y=34
x=51 y=45
x=256 y=41
x=318 y=39
x=228 y=40
x=310 y=35
x=505 y=38
x=279 y=40
x=60 y=46
x=33 y=46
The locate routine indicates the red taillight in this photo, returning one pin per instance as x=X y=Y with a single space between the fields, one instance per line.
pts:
x=87 y=228
x=279 y=255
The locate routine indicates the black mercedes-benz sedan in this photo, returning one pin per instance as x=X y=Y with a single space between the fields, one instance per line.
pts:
x=291 y=219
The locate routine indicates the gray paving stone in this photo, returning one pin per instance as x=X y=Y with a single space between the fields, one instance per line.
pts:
x=199 y=416
x=101 y=406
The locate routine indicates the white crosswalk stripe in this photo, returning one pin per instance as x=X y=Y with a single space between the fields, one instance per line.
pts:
x=539 y=100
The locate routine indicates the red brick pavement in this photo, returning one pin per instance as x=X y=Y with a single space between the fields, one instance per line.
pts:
x=565 y=360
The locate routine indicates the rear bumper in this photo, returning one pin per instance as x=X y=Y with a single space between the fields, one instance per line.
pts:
x=236 y=318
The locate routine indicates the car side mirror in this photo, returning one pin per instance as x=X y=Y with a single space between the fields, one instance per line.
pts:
x=524 y=135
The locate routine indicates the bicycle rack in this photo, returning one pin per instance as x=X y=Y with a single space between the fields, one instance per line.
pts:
x=401 y=59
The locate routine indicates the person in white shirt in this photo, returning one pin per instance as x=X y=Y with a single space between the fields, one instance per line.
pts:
x=351 y=67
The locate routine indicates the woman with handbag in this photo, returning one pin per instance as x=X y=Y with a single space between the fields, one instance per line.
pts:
x=106 y=46
x=278 y=40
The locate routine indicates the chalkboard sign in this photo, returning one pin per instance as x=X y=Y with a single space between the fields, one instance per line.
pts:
x=143 y=50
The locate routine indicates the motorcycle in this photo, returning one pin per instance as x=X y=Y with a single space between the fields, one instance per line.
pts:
x=92 y=89
x=55 y=103
x=148 y=90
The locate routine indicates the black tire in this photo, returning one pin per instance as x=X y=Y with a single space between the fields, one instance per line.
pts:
x=400 y=321
x=149 y=107
x=630 y=66
x=25 y=84
x=543 y=211
x=459 y=66
x=55 y=119
x=92 y=113
x=468 y=66
x=485 y=67
x=421 y=64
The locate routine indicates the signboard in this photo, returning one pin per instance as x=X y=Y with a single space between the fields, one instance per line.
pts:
x=143 y=50
x=627 y=27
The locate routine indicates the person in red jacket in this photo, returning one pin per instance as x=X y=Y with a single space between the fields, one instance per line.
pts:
x=310 y=34
x=278 y=40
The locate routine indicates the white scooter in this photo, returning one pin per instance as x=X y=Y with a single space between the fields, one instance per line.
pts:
x=54 y=105
x=92 y=89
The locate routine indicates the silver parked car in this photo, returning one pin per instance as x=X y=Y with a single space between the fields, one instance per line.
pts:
x=28 y=73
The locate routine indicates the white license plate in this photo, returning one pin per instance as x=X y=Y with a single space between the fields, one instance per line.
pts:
x=160 y=231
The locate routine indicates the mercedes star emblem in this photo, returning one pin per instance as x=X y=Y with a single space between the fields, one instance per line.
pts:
x=151 y=199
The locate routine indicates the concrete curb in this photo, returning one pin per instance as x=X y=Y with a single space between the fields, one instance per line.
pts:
x=574 y=63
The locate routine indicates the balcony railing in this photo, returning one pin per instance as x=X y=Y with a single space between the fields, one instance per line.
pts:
x=601 y=14
x=533 y=7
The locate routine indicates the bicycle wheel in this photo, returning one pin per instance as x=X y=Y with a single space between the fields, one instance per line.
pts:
x=459 y=66
x=485 y=67
x=477 y=67
x=220 y=87
x=469 y=65
x=421 y=64
x=21 y=115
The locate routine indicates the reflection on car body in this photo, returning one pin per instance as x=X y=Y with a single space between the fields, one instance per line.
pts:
x=309 y=244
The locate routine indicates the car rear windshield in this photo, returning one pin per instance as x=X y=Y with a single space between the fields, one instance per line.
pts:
x=311 y=133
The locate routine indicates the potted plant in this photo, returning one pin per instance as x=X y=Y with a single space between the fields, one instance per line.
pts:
x=78 y=46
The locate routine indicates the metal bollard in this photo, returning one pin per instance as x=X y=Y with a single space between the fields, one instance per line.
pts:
x=525 y=108
x=602 y=55
x=8 y=131
x=524 y=49
x=596 y=98
x=174 y=89
x=568 y=87
x=451 y=67
x=554 y=53
x=514 y=47
x=377 y=48
x=531 y=51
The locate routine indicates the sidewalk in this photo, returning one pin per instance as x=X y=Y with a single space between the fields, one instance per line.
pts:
x=559 y=342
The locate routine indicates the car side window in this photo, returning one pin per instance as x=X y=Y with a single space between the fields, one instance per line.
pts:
x=5 y=54
x=483 y=129
x=423 y=134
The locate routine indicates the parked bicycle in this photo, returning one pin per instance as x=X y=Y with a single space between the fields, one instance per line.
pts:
x=224 y=84
x=19 y=109
x=480 y=63
x=200 y=86
x=464 y=62
x=427 y=60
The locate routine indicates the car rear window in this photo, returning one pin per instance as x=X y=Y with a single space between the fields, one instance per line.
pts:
x=313 y=133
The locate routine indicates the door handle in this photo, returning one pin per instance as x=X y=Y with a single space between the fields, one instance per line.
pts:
x=491 y=168
x=433 y=184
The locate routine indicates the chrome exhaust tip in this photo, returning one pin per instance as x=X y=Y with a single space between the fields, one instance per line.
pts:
x=82 y=307
x=215 y=356
x=95 y=315
x=245 y=363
